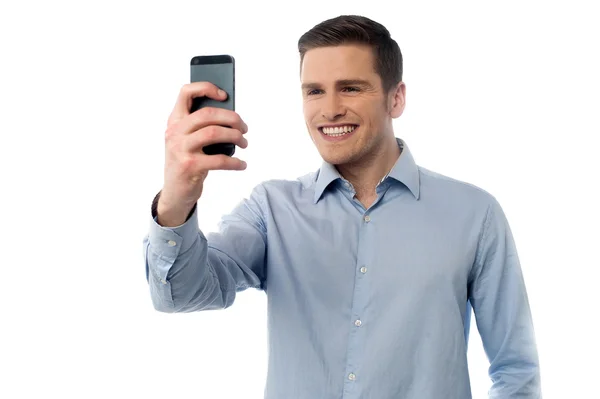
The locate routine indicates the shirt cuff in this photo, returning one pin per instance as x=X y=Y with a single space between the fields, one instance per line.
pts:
x=169 y=242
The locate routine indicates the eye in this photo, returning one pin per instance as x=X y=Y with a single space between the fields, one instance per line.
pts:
x=313 y=92
x=351 y=89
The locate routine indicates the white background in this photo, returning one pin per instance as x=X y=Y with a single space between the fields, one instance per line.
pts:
x=503 y=95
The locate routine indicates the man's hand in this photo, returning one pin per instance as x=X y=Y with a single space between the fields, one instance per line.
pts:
x=186 y=165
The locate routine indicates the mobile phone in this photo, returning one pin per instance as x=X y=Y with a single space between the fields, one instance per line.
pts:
x=220 y=71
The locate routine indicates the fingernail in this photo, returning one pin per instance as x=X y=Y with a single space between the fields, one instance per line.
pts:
x=222 y=93
x=244 y=164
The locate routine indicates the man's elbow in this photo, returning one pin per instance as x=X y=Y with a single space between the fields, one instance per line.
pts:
x=163 y=306
x=216 y=301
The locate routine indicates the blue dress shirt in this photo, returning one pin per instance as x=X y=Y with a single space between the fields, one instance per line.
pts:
x=362 y=303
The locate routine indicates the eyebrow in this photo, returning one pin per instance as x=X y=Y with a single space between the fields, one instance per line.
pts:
x=338 y=83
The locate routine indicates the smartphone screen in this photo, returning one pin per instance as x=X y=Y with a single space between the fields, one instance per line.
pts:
x=220 y=71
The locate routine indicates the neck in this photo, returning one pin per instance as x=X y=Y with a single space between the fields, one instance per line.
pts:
x=366 y=174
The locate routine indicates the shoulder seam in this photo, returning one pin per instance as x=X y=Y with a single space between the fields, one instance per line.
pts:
x=440 y=176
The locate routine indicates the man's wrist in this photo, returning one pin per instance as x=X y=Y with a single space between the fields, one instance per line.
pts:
x=154 y=208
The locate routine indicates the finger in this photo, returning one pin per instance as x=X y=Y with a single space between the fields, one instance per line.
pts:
x=190 y=91
x=214 y=135
x=212 y=116
x=222 y=162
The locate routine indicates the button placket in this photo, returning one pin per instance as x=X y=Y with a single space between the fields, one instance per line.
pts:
x=357 y=333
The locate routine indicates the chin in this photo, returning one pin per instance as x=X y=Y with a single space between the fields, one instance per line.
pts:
x=332 y=153
x=335 y=156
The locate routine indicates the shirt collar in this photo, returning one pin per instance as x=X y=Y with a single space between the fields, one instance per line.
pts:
x=405 y=171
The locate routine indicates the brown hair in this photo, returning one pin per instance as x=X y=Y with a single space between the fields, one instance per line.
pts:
x=355 y=29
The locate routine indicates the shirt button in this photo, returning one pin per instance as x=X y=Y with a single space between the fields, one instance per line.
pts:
x=358 y=323
x=171 y=243
x=363 y=270
x=163 y=281
x=367 y=218
x=351 y=377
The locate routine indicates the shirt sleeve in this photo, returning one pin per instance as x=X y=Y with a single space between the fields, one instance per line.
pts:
x=498 y=295
x=187 y=272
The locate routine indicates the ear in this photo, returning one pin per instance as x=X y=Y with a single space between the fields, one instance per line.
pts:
x=397 y=100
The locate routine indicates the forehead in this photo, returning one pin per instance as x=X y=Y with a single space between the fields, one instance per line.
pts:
x=326 y=64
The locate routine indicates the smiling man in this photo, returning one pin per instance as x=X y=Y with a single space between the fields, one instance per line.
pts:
x=349 y=107
x=371 y=264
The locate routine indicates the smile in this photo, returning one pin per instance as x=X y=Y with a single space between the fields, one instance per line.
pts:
x=337 y=130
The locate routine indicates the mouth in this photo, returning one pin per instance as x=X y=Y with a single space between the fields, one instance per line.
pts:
x=337 y=131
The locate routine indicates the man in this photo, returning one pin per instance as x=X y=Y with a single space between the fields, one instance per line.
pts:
x=370 y=264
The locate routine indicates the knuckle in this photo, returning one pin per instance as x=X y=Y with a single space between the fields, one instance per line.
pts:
x=222 y=163
x=174 y=142
x=211 y=132
x=208 y=112
x=170 y=133
x=173 y=146
x=188 y=163
x=185 y=88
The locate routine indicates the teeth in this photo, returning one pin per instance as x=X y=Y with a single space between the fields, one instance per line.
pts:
x=338 y=130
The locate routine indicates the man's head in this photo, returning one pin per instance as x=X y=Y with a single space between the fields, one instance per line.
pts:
x=351 y=75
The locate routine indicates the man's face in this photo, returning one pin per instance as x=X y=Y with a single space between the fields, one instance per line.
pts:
x=345 y=107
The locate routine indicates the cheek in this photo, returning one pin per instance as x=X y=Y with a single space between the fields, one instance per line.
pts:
x=365 y=108
x=309 y=109
x=377 y=114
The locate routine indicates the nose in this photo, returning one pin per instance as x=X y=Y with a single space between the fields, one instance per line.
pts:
x=333 y=108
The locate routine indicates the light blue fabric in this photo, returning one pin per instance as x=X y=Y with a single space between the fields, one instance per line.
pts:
x=362 y=303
